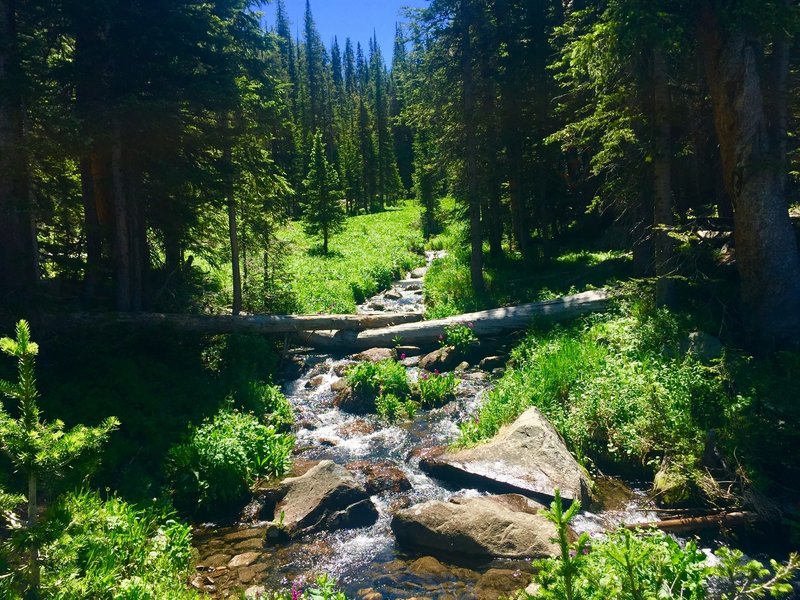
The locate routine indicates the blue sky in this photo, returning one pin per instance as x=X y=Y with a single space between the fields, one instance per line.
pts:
x=355 y=19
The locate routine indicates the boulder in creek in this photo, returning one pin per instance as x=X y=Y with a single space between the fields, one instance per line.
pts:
x=393 y=295
x=354 y=402
x=381 y=476
x=490 y=363
x=375 y=355
x=443 y=359
x=325 y=498
x=418 y=273
x=487 y=527
x=528 y=457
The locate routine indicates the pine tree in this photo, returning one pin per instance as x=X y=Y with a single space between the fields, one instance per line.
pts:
x=40 y=451
x=323 y=213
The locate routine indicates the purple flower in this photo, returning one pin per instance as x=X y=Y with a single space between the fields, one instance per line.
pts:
x=441 y=337
x=403 y=356
x=470 y=325
x=436 y=372
x=297 y=589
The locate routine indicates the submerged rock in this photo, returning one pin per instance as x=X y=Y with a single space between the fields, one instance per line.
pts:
x=325 y=498
x=527 y=457
x=508 y=526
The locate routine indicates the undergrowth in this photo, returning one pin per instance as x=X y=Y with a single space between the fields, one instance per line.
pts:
x=649 y=564
x=110 y=549
x=213 y=470
x=510 y=280
x=624 y=388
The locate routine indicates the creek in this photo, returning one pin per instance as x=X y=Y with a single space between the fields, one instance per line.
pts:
x=367 y=562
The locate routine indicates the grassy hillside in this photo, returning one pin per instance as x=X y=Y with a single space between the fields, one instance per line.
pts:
x=371 y=252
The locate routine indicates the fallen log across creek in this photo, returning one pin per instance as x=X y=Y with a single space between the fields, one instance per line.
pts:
x=488 y=323
x=260 y=324
x=686 y=524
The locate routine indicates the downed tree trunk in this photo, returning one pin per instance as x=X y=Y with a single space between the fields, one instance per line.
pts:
x=693 y=523
x=242 y=324
x=487 y=323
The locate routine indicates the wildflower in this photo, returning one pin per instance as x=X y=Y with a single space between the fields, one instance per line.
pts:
x=471 y=325
x=403 y=356
x=436 y=372
x=441 y=337
x=297 y=589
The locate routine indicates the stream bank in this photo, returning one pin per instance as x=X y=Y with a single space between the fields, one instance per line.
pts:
x=367 y=561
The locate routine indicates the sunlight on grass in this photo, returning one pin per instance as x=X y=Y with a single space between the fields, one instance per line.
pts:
x=371 y=252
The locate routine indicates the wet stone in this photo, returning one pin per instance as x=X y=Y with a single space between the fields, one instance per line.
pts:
x=244 y=560
x=315 y=381
x=339 y=385
x=501 y=583
x=251 y=544
x=393 y=295
x=244 y=534
x=375 y=354
x=215 y=561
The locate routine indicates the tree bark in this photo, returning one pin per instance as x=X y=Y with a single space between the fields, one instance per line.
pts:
x=664 y=218
x=17 y=260
x=232 y=222
x=471 y=149
x=122 y=265
x=767 y=255
x=489 y=323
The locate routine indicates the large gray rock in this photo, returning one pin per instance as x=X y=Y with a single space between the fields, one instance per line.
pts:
x=443 y=359
x=528 y=457
x=325 y=498
x=507 y=526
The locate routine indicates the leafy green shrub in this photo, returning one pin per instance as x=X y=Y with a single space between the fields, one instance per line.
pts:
x=271 y=405
x=111 y=549
x=391 y=408
x=214 y=468
x=385 y=377
x=640 y=565
x=436 y=389
x=622 y=565
x=323 y=588
x=460 y=337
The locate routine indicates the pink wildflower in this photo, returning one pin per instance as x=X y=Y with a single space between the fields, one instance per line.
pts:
x=297 y=589
x=403 y=356
x=436 y=372
x=470 y=325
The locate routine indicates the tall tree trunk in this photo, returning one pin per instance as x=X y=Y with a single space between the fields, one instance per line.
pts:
x=470 y=142
x=767 y=255
x=230 y=199
x=662 y=183
x=91 y=228
x=122 y=263
x=17 y=261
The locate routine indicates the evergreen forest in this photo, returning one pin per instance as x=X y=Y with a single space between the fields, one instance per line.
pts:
x=508 y=308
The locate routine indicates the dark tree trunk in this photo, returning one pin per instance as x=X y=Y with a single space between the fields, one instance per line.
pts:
x=767 y=255
x=470 y=142
x=122 y=262
x=17 y=260
x=662 y=183
x=91 y=228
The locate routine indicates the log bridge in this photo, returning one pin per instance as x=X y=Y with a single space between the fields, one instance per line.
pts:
x=354 y=333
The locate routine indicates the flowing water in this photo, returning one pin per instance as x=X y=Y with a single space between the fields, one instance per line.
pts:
x=366 y=560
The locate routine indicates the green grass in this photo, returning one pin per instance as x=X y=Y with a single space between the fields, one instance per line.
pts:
x=448 y=289
x=371 y=252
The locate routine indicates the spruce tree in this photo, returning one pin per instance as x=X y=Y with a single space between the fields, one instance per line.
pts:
x=323 y=213
x=40 y=451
